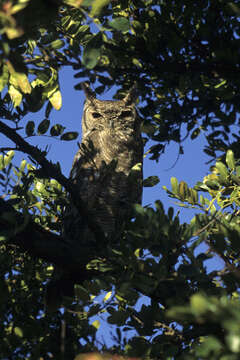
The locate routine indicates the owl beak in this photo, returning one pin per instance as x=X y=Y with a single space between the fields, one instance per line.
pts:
x=111 y=124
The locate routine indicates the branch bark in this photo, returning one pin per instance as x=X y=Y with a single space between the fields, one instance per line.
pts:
x=44 y=244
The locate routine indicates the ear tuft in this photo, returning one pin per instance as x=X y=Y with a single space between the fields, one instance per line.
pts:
x=132 y=95
x=89 y=93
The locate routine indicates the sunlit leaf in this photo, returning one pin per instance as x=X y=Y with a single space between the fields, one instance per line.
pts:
x=57 y=44
x=16 y=95
x=6 y=159
x=230 y=159
x=18 y=7
x=56 y=100
x=97 y=6
x=174 y=183
x=18 y=331
x=23 y=165
x=220 y=84
x=137 y=252
x=107 y=296
x=13 y=32
x=222 y=169
x=96 y=324
x=233 y=342
x=4 y=77
x=199 y=304
x=74 y=3
x=23 y=83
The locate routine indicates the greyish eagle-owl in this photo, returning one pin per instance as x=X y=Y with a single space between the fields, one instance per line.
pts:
x=108 y=165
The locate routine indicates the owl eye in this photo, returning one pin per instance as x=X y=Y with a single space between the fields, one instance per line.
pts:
x=126 y=113
x=96 y=115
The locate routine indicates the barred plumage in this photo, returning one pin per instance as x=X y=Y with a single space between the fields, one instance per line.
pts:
x=108 y=165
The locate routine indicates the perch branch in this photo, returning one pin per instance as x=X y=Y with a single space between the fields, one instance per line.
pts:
x=41 y=243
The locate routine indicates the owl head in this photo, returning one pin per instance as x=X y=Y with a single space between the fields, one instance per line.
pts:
x=102 y=114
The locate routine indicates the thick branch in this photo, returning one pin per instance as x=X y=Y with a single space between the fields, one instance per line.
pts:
x=44 y=244
x=48 y=167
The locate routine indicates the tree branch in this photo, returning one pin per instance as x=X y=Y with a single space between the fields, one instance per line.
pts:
x=52 y=171
x=44 y=244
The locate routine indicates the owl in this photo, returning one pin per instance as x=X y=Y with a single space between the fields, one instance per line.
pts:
x=108 y=165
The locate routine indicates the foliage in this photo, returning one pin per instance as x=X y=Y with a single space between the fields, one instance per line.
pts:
x=184 y=57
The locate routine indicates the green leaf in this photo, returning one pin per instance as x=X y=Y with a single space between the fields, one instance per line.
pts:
x=233 y=341
x=97 y=6
x=139 y=209
x=91 y=56
x=183 y=190
x=29 y=129
x=230 y=159
x=170 y=213
x=199 y=304
x=220 y=84
x=23 y=165
x=193 y=196
x=57 y=44
x=18 y=331
x=43 y=127
x=209 y=347
x=23 y=82
x=107 y=296
x=5 y=160
x=56 y=100
x=48 y=109
x=120 y=24
x=71 y=135
x=213 y=184
x=57 y=130
x=15 y=95
x=174 y=183
x=238 y=171
x=222 y=169
x=96 y=324
x=4 y=77
x=151 y=181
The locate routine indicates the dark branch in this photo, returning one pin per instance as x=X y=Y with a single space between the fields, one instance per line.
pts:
x=49 y=168
x=52 y=171
x=44 y=244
